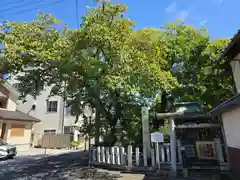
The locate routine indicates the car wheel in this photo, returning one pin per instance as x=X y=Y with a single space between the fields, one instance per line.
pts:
x=11 y=157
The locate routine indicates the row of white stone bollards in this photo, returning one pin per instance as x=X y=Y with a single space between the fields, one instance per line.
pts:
x=160 y=153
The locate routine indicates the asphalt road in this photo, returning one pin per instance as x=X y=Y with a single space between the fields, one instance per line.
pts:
x=68 y=166
x=39 y=167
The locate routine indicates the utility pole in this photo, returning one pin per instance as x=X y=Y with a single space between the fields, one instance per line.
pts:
x=77 y=14
x=62 y=110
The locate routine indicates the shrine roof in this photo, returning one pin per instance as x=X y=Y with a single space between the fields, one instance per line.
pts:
x=193 y=116
x=227 y=105
x=232 y=48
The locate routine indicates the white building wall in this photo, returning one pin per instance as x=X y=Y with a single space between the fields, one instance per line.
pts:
x=49 y=121
x=11 y=103
x=235 y=64
x=231 y=124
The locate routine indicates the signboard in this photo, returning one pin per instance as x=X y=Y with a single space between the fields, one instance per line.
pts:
x=206 y=150
x=157 y=137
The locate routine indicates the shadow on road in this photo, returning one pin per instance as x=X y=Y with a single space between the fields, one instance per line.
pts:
x=69 y=166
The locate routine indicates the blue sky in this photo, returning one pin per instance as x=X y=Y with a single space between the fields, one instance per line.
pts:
x=219 y=16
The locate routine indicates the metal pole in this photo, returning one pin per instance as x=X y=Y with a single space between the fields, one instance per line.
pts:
x=89 y=142
x=63 y=109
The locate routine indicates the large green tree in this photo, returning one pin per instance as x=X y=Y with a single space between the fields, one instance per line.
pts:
x=105 y=62
x=196 y=63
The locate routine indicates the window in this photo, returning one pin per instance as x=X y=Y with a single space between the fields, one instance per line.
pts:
x=1 y=105
x=49 y=131
x=68 y=111
x=52 y=106
x=16 y=86
x=68 y=129
x=17 y=130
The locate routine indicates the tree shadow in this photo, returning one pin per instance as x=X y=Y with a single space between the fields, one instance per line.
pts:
x=69 y=166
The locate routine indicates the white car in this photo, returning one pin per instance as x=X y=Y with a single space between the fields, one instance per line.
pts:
x=7 y=150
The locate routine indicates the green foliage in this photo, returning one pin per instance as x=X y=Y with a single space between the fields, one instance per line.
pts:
x=201 y=72
x=74 y=144
x=114 y=67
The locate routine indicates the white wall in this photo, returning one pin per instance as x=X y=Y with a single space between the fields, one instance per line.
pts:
x=48 y=120
x=11 y=103
x=231 y=124
x=236 y=73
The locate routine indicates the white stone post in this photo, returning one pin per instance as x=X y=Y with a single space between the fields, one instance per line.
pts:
x=117 y=155
x=108 y=158
x=145 y=133
x=157 y=155
x=103 y=154
x=162 y=153
x=94 y=155
x=129 y=155
x=122 y=155
x=179 y=151
x=98 y=155
x=75 y=134
x=153 y=157
x=168 y=153
x=173 y=146
x=219 y=153
x=137 y=156
x=113 y=155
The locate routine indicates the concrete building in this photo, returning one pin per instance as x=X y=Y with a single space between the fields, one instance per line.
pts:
x=55 y=118
x=229 y=111
x=15 y=127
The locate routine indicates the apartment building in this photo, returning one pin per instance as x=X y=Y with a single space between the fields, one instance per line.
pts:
x=15 y=126
x=55 y=118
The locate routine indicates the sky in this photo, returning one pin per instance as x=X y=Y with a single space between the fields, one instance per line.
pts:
x=220 y=17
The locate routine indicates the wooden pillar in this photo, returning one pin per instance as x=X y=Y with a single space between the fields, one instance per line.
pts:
x=173 y=145
x=219 y=152
x=145 y=133
x=225 y=143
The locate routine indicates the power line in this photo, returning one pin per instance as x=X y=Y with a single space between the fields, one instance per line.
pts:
x=15 y=2
x=20 y=6
x=32 y=9
x=77 y=14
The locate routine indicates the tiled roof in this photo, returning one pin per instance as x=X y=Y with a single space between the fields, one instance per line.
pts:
x=2 y=95
x=16 y=115
x=226 y=50
x=227 y=105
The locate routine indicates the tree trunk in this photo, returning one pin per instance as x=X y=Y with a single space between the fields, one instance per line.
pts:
x=97 y=118
x=118 y=114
